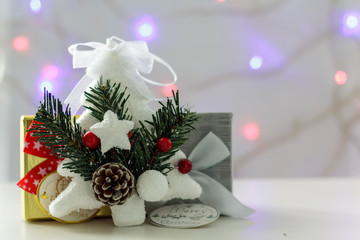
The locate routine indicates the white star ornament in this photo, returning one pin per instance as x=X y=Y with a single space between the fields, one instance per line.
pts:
x=113 y=132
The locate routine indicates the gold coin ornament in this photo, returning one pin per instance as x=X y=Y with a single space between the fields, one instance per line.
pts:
x=49 y=188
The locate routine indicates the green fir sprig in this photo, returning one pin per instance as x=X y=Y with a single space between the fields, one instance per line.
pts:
x=104 y=97
x=60 y=132
x=170 y=121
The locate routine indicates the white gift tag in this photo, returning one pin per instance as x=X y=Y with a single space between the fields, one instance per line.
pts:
x=183 y=215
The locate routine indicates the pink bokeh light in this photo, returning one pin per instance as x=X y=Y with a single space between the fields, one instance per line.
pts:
x=167 y=90
x=20 y=43
x=50 y=72
x=340 y=77
x=251 y=131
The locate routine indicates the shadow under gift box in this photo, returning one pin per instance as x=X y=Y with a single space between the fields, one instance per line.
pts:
x=218 y=123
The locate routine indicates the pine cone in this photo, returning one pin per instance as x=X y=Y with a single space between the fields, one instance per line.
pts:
x=113 y=183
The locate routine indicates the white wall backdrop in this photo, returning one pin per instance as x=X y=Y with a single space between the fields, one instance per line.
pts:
x=302 y=122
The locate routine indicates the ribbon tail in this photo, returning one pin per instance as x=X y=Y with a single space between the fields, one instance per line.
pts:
x=208 y=152
x=32 y=179
x=216 y=195
x=73 y=100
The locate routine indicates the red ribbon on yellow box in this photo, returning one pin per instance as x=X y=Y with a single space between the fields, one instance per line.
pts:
x=32 y=146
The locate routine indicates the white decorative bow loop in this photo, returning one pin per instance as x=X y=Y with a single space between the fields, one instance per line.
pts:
x=210 y=148
x=210 y=151
x=139 y=55
x=134 y=54
x=83 y=58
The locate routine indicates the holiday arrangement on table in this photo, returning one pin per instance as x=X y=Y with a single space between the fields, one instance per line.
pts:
x=119 y=152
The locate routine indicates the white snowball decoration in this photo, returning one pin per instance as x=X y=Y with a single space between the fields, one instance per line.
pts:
x=180 y=185
x=65 y=172
x=152 y=185
x=78 y=194
x=86 y=120
x=131 y=213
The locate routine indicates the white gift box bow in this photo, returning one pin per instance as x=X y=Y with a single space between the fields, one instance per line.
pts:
x=210 y=151
x=134 y=53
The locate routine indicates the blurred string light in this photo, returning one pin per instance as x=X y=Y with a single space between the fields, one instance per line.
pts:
x=46 y=85
x=20 y=43
x=145 y=28
x=251 y=131
x=350 y=23
x=167 y=90
x=256 y=62
x=35 y=6
x=49 y=72
x=340 y=77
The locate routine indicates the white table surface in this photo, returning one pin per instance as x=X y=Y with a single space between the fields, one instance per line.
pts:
x=285 y=209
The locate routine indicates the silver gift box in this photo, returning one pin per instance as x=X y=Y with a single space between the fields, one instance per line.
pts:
x=220 y=125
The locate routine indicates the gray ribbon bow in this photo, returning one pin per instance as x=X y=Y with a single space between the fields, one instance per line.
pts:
x=210 y=151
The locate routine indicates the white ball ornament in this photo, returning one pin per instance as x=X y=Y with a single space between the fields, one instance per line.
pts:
x=152 y=186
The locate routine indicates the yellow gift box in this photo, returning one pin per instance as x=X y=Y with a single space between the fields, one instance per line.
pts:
x=31 y=209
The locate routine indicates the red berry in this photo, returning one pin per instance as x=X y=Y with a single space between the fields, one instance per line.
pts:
x=129 y=136
x=164 y=144
x=184 y=166
x=91 y=141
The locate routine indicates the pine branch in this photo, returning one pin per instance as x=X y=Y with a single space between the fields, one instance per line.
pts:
x=171 y=121
x=60 y=132
x=104 y=97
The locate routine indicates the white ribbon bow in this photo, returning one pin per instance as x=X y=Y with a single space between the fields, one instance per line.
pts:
x=135 y=53
x=210 y=151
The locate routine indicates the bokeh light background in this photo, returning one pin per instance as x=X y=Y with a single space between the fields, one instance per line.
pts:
x=288 y=71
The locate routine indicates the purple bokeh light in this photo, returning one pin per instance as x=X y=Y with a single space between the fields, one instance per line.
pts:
x=50 y=72
x=48 y=79
x=145 y=28
x=256 y=62
x=263 y=54
x=48 y=85
x=35 y=6
x=350 y=23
